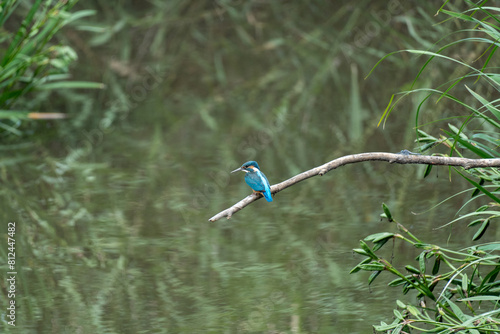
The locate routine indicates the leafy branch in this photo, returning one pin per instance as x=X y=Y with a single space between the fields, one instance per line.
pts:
x=462 y=280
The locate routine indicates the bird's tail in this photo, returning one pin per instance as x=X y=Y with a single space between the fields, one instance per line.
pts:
x=267 y=195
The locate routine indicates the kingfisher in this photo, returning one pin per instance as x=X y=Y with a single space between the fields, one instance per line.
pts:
x=256 y=179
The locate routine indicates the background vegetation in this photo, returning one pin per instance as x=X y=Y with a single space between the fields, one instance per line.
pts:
x=463 y=297
x=111 y=202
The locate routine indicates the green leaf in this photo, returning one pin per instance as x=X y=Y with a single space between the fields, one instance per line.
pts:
x=398 y=329
x=481 y=230
x=458 y=15
x=475 y=222
x=495 y=246
x=361 y=252
x=479 y=298
x=456 y=310
x=383 y=327
x=482 y=147
x=398 y=315
x=387 y=212
x=372 y=266
x=421 y=262
x=379 y=239
x=427 y=146
x=489 y=105
x=423 y=245
x=477 y=191
x=483 y=207
x=413 y=310
x=412 y=269
x=397 y=282
x=437 y=264
x=379 y=244
x=388 y=109
x=490 y=139
x=489 y=278
x=406 y=288
x=71 y=85
x=21 y=34
x=469 y=146
x=477 y=185
x=80 y=14
x=457 y=132
x=373 y=276
x=357 y=268
x=427 y=171
x=465 y=282
x=20 y=114
x=425 y=291
x=379 y=236
x=367 y=249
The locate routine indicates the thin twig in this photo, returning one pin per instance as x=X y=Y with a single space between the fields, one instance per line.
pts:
x=354 y=158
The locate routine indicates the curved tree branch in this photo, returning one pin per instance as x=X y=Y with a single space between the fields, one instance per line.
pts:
x=405 y=157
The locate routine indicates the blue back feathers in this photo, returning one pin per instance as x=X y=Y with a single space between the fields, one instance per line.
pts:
x=257 y=180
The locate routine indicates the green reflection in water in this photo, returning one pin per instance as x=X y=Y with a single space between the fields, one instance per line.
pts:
x=113 y=234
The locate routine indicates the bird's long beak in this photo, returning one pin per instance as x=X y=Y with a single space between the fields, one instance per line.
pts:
x=237 y=170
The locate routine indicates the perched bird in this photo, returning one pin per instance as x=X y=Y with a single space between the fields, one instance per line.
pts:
x=256 y=179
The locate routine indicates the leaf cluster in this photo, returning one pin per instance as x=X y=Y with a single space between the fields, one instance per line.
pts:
x=33 y=60
x=458 y=290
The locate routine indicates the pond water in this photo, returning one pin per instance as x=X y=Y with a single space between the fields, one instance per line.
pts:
x=112 y=212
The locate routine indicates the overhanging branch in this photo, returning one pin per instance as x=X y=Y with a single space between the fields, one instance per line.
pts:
x=397 y=158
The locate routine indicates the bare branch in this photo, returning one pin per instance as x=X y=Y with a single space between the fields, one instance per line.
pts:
x=397 y=158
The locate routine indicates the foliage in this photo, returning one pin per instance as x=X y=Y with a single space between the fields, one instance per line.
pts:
x=32 y=61
x=469 y=276
x=469 y=300
x=112 y=208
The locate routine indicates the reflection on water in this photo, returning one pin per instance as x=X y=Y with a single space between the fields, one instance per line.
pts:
x=141 y=255
x=113 y=237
